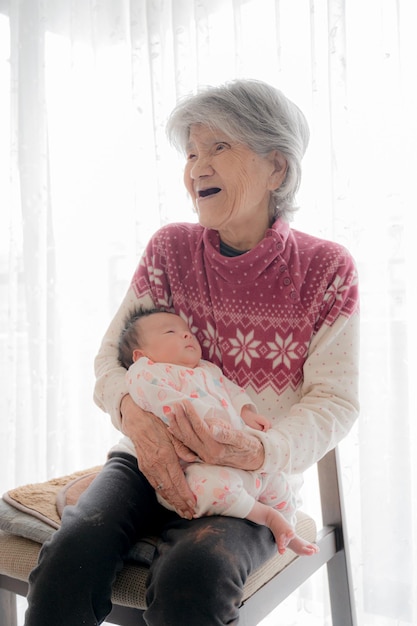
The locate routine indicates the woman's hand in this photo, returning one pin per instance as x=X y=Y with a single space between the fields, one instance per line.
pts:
x=214 y=442
x=158 y=451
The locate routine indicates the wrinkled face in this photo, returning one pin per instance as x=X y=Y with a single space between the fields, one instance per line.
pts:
x=229 y=183
x=167 y=339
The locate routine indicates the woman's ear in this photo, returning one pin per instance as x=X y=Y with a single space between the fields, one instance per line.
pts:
x=280 y=166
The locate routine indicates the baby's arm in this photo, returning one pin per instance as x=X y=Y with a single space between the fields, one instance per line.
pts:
x=254 y=420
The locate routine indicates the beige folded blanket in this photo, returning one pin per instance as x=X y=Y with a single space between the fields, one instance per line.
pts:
x=46 y=501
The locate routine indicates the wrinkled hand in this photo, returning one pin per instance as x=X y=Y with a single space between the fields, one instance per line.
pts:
x=214 y=441
x=158 y=453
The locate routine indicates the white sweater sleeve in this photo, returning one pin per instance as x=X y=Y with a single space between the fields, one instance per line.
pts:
x=328 y=406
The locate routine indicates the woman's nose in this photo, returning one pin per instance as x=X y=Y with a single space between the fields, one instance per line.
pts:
x=201 y=167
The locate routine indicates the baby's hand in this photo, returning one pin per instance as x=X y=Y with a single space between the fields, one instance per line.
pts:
x=255 y=420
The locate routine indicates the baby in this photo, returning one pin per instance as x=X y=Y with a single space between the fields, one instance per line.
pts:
x=165 y=367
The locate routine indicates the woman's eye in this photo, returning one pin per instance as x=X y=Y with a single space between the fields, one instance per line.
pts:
x=221 y=146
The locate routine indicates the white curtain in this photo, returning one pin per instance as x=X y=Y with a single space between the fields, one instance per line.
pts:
x=86 y=176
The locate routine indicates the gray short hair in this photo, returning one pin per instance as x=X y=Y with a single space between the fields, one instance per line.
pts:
x=256 y=114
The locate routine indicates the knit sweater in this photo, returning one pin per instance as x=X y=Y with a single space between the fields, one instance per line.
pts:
x=280 y=320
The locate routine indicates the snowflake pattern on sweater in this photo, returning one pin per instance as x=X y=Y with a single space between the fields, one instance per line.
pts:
x=253 y=316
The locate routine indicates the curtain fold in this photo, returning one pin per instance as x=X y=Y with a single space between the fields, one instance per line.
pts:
x=86 y=176
x=38 y=249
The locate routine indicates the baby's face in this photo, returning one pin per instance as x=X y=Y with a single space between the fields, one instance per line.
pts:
x=168 y=339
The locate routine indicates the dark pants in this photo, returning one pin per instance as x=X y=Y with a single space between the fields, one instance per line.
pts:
x=196 y=578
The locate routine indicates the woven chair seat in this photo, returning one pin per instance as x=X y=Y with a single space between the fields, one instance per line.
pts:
x=18 y=556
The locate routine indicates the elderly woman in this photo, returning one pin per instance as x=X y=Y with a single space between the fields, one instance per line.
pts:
x=276 y=309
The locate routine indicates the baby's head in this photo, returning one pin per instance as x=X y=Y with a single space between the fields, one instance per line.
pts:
x=160 y=336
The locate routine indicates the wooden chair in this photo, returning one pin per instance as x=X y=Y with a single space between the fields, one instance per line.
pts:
x=265 y=589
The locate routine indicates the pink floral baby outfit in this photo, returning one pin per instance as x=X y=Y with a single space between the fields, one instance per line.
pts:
x=219 y=490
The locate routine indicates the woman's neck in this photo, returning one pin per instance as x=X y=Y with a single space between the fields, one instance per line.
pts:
x=244 y=239
x=229 y=251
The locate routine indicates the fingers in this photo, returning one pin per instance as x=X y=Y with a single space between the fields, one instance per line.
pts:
x=158 y=459
x=177 y=492
x=162 y=468
x=183 y=452
x=168 y=480
x=243 y=450
x=230 y=436
x=214 y=442
x=186 y=425
x=188 y=428
x=238 y=439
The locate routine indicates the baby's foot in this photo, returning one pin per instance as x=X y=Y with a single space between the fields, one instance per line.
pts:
x=284 y=533
x=284 y=540
x=302 y=547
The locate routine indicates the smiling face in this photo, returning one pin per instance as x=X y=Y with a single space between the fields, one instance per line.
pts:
x=167 y=339
x=230 y=185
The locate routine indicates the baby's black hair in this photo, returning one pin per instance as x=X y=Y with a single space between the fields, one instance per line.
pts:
x=130 y=337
